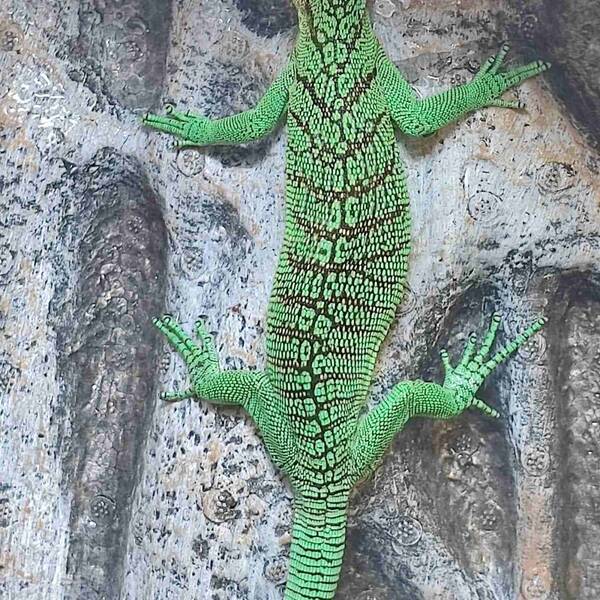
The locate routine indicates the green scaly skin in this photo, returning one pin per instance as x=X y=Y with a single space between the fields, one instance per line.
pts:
x=341 y=272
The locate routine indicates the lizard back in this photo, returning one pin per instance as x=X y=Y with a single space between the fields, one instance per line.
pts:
x=343 y=262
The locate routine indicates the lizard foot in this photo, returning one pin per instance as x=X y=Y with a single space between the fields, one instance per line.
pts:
x=495 y=82
x=191 y=129
x=475 y=365
x=202 y=361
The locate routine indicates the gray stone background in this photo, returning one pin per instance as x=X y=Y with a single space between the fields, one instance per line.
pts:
x=107 y=493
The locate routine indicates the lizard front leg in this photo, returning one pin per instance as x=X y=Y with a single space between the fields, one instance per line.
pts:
x=251 y=390
x=422 y=117
x=425 y=399
x=247 y=126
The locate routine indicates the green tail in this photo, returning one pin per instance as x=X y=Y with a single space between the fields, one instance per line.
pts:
x=318 y=539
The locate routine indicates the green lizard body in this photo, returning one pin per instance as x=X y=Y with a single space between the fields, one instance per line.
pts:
x=341 y=272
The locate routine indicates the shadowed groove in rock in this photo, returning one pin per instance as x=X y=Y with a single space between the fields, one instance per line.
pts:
x=465 y=464
x=364 y=571
x=123 y=46
x=565 y=33
x=576 y=360
x=267 y=17
x=108 y=352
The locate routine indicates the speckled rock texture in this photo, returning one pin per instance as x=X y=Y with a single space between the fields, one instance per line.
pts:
x=107 y=493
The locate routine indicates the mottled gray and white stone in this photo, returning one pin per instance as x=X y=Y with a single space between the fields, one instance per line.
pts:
x=107 y=493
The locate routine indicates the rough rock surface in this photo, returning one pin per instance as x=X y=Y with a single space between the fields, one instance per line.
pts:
x=106 y=493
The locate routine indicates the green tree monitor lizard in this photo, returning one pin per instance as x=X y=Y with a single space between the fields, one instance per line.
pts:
x=341 y=272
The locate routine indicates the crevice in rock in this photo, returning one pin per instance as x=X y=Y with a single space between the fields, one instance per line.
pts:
x=576 y=364
x=108 y=352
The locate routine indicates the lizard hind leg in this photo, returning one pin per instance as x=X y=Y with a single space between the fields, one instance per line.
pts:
x=208 y=342
x=475 y=365
x=250 y=389
x=492 y=64
x=193 y=355
x=409 y=399
x=201 y=361
x=178 y=396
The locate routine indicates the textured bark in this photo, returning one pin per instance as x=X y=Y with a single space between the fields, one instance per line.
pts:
x=107 y=493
